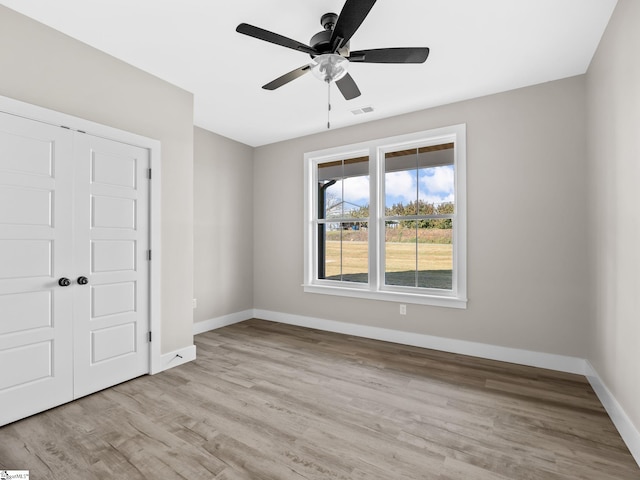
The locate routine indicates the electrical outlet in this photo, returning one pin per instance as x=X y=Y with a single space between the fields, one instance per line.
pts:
x=403 y=309
x=194 y=303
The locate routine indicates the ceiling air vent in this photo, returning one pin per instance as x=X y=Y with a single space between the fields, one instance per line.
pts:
x=359 y=111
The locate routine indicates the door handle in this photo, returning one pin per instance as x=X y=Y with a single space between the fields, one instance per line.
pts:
x=64 y=282
x=82 y=280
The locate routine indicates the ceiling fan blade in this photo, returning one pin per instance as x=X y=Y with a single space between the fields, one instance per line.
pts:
x=351 y=17
x=348 y=87
x=287 y=77
x=390 y=55
x=271 y=37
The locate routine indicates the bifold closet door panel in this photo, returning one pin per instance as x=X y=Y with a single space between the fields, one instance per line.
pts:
x=36 y=311
x=112 y=238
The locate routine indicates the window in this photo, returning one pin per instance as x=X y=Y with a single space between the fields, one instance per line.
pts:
x=386 y=219
x=342 y=193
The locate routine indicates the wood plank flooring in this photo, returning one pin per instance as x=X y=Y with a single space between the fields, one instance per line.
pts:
x=269 y=401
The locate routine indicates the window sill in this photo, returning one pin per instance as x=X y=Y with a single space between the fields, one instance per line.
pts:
x=388 y=296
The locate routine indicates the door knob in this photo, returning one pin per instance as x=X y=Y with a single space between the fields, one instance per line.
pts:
x=64 y=282
x=83 y=280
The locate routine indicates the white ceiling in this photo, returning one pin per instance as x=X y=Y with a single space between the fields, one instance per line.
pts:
x=478 y=47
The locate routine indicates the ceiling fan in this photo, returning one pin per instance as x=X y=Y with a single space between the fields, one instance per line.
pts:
x=330 y=50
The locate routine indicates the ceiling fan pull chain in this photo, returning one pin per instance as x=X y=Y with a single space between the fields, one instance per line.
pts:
x=328 y=104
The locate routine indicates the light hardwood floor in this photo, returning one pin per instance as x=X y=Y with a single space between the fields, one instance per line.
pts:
x=271 y=401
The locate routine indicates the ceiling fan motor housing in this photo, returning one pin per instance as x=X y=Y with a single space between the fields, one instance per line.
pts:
x=321 y=41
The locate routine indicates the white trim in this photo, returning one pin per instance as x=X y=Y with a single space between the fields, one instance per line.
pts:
x=620 y=419
x=52 y=117
x=387 y=295
x=550 y=361
x=178 y=357
x=223 y=321
x=155 y=265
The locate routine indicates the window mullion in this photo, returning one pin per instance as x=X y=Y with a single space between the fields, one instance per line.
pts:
x=341 y=225
x=378 y=184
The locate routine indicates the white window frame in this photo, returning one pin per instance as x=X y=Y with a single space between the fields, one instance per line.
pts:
x=376 y=289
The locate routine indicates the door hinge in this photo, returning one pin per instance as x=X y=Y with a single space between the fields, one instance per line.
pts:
x=149 y=255
x=149 y=336
x=149 y=173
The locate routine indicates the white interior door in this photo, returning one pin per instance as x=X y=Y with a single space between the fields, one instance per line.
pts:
x=74 y=274
x=36 y=313
x=112 y=238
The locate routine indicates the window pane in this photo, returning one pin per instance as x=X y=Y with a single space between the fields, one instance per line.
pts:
x=400 y=182
x=436 y=193
x=435 y=258
x=329 y=254
x=417 y=256
x=436 y=180
x=343 y=188
x=355 y=253
x=333 y=199
x=343 y=251
x=356 y=197
x=400 y=254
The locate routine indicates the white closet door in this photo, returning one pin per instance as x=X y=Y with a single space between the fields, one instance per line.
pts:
x=36 y=313
x=112 y=238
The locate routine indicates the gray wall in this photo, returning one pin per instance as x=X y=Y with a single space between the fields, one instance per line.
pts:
x=613 y=95
x=223 y=225
x=527 y=255
x=41 y=66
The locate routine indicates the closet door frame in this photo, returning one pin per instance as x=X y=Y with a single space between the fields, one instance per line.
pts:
x=51 y=117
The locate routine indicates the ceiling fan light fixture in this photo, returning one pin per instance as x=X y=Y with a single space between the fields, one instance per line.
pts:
x=330 y=49
x=329 y=67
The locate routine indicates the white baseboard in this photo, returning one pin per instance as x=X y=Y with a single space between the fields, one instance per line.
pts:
x=223 y=321
x=550 y=361
x=178 y=357
x=623 y=423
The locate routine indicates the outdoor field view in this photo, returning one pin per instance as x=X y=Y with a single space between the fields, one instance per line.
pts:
x=422 y=257
x=418 y=219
